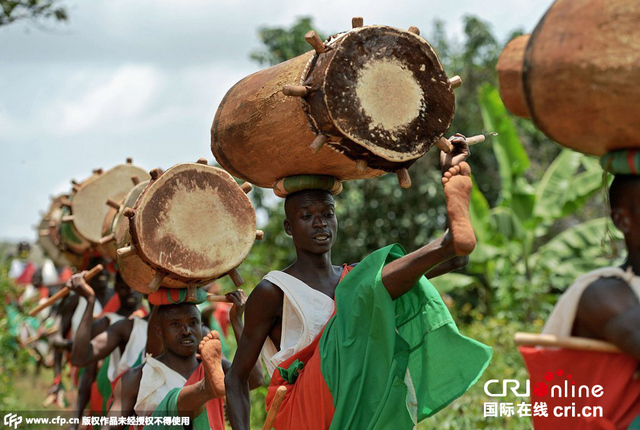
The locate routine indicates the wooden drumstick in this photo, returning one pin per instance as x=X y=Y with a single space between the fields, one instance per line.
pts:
x=259 y=234
x=403 y=178
x=357 y=21
x=236 y=277
x=295 y=90
x=552 y=341
x=414 y=30
x=127 y=251
x=217 y=298
x=314 y=40
x=154 y=285
x=319 y=142
x=64 y=292
x=281 y=392
x=106 y=239
x=455 y=82
x=246 y=187
x=445 y=145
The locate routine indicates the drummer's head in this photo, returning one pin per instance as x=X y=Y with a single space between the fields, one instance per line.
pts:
x=36 y=279
x=624 y=195
x=99 y=283
x=311 y=220
x=129 y=297
x=180 y=328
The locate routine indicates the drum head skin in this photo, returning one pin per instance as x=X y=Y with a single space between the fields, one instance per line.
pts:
x=194 y=222
x=385 y=90
x=89 y=202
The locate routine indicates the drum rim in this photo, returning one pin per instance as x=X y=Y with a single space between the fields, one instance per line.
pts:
x=136 y=220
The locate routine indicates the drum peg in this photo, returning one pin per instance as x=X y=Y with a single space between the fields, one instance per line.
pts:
x=129 y=160
x=403 y=178
x=246 y=187
x=319 y=142
x=357 y=21
x=74 y=182
x=67 y=218
x=202 y=161
x=414 y=30
x=106 y=239
x=156 y=281
x=296 y=90
x=361 y=166
x=75 y=187
x=455 y=82
x=125 y=252
x=113 y=204
x=259 y=234
x=155 y=173
x=314 y=40
x=135 y=179
x=236 y=277
x=128 y=212
x=97 y=171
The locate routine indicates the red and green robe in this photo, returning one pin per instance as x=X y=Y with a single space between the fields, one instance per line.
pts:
x=379 y=363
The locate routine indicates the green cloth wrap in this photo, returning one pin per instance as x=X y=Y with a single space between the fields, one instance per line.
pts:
x=623 y=162
x=376 y=350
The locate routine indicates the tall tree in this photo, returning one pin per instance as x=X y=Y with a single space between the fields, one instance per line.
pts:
x=33 y=10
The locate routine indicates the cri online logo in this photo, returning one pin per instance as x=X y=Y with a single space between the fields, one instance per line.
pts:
x=12 y=420
x=568 y=389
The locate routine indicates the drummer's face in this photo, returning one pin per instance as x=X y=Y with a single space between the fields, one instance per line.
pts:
x=180 y=328
x=311 y=220
x=126 y=294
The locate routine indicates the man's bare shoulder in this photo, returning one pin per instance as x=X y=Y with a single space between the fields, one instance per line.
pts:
x=601 y=302
x=265 y=300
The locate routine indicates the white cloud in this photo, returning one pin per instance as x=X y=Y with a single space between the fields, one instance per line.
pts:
x=122 y=97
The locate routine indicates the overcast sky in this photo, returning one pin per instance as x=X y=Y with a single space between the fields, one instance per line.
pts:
x=143 y=79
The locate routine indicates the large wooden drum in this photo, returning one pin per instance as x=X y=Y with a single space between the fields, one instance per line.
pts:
x=369 y=101
x=579 y=74
x=82 y=225
x=115 y=218
x=192 y=224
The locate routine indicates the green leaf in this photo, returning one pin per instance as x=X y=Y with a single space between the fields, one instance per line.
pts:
x=479 y=213
x=511 y=156
x=452 y=281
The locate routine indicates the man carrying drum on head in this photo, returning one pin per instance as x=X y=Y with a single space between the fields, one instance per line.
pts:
x=386 y=354
x=176 y=383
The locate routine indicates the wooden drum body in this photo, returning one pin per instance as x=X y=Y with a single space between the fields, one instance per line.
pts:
x=579 y=73
x=370 y=101
x=192 y=224
x=49 y=232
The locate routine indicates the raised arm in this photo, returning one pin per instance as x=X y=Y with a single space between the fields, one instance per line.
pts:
x=239 y=299
x=263 y=312
x=609 y=310
x=85 y=350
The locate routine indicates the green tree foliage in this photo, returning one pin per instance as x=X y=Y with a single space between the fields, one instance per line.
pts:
x=34 y=10
x=282 y=44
